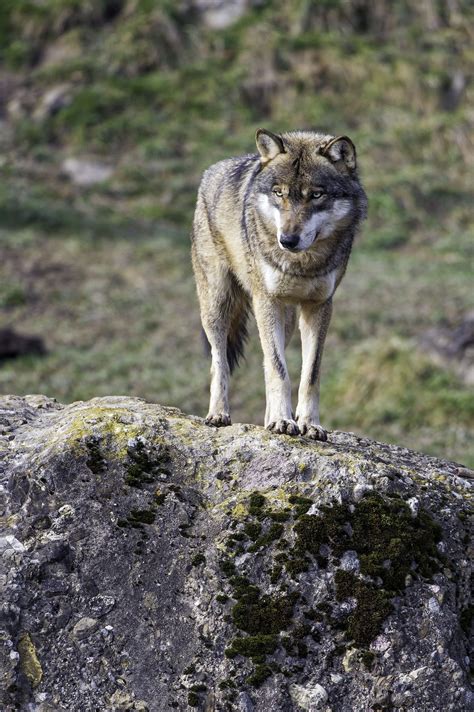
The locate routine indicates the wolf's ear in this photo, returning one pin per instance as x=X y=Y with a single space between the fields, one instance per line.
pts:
x=269 y=145
x=342 y=151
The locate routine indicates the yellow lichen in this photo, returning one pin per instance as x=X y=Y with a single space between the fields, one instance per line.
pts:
x=105 y=423
x=239 y=511
x=29 y=662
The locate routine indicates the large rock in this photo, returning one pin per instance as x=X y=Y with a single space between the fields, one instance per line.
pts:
x=219 y=14
x=85 y=172
x=153 y=563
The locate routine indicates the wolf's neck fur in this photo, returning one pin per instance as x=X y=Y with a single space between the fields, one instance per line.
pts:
x=321 y=259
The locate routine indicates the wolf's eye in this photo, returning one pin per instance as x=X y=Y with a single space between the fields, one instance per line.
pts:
x=277 y=192
x=317 y=194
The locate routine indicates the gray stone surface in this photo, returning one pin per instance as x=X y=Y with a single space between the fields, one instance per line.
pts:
x=218 y=14
x=86 y=172
x=132 y=547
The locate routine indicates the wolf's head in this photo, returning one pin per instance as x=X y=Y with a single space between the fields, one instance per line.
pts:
x=307 y=189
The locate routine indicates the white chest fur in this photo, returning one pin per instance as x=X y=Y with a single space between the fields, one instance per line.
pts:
x=285 y=286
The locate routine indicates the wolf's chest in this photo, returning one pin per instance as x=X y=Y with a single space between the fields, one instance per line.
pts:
x=297 y=288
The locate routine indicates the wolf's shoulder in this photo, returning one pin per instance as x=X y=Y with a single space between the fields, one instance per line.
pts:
x=231 y=170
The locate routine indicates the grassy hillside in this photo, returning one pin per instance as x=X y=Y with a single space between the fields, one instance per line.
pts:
x=102 y=272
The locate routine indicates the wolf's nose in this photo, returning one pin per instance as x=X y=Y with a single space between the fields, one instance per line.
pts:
x=289 y=241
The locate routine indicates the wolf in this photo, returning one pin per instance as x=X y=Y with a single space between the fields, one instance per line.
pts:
x=272 y=233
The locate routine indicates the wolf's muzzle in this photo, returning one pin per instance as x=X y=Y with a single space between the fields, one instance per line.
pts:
x=289 y=242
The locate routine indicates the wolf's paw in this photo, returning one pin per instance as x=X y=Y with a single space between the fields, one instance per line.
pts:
x=219 y=420
x=283 y=426
x=314 y=432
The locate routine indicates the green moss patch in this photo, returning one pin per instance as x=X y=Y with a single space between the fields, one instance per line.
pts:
x=261 y=616
x=390 y=544
x=266 y=614
x=257 y=502
x=274 y=532
x=137 y=518
x=144 y=516
x=466 y=619
x=227 y=567
x=193 y=699
x=198 y=559
x=253 y=529
x=143 y=467
x=199 y=687
x=252 y=646
x=389 y=541
x=373 y=607
x=345 y=584
x=367 y=657
x=95 y=460
x=259 y=675
x=314 y=531
x=300 y=504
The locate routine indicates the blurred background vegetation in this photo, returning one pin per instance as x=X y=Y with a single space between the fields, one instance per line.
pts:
x=109 y=112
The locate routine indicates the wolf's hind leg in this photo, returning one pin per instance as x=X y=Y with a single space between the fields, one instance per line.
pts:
x=216 y=301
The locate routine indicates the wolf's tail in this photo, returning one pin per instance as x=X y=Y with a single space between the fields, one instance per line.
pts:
x=238 y=335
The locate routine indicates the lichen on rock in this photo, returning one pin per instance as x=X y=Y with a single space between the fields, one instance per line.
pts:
x=30 y=666
x=154 y=563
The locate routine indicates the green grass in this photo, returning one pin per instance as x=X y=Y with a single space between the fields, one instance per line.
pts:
x=103 y=273
x=121 y=316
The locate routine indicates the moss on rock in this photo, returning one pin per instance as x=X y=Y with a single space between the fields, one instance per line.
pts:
x=198 y=559
x=142 y=466
x=389 y=539
x=373 y=607
x=259 y=675
x=95 y=459
x=252 y=646
x=263 y=614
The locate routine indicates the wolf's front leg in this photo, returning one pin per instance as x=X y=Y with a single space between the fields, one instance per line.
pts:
x=270 y=317
x=219 y=401
x=314 y=323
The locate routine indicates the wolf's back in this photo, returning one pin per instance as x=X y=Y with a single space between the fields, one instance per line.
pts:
x=223 y=187
x=217 y=222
